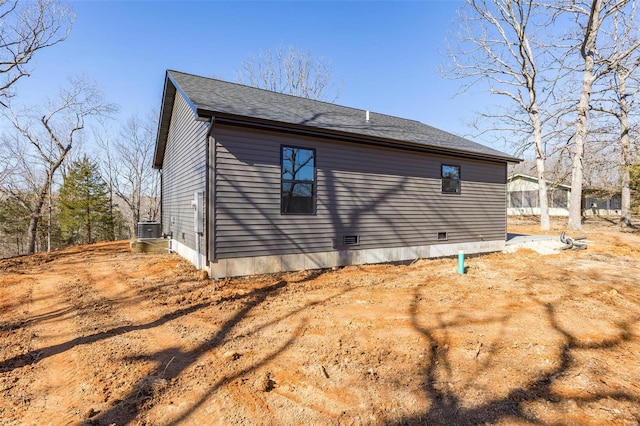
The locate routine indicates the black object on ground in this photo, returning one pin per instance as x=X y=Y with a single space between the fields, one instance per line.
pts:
x=571 y=243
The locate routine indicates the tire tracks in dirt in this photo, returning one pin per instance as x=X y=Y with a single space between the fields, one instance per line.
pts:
x=93 y=340
x=45 y=365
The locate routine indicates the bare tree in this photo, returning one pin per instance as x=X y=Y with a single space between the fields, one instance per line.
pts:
x=627 y=158
x=497 y=48
x=43 y=138
x=616 y=99
x=292 y=71
x=20 y=184
x=127 y=163
x=6 y=167
x=25 y=29
x=597 y=60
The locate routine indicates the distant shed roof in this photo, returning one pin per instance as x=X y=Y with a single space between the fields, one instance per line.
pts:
x=210 y=97
x=535 y=180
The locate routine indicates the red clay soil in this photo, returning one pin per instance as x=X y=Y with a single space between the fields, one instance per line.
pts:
x=98 y=335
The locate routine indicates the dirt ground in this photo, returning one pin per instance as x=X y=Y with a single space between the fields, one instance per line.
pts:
x=98 y=335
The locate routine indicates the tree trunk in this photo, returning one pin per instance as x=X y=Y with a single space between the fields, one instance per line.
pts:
x=625 y=214
x=88 y=214
x=625 y=147
x=32 y=232
x=49 y=218
x=587 y=51
x=37 y=211
x=575 y=200
x=545 y=223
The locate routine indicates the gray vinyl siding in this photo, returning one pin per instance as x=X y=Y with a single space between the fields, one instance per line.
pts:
x=183 y=172
x=388 y=197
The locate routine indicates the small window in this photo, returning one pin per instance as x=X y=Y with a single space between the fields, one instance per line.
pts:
x=525 y=199
x=298 y=180
x=450 y=179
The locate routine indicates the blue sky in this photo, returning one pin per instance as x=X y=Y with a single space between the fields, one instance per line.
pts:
x=385 y=54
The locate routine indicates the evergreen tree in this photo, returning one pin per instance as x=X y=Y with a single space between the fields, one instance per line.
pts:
x=85 y=216
x=14 y=219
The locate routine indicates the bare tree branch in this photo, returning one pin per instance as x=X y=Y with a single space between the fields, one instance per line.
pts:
x=25 y=29
x=600 y=55
x=495 y=50
x=132 y=178
x=50 y=134
x=292 y=71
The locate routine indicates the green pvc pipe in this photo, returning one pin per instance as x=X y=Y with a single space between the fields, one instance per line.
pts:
x=461 y=262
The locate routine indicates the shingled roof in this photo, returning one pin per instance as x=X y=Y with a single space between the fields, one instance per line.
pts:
x=230 y=101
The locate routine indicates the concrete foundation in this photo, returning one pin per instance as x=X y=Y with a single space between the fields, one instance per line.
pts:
x=295 y=262
x=189 y=254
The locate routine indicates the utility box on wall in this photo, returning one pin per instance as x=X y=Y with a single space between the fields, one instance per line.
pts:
x=197 y=203
x=149 y=230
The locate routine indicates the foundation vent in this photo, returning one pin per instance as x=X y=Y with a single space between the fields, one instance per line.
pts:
x=346 y=241
x=442 y=236
x=350 y=240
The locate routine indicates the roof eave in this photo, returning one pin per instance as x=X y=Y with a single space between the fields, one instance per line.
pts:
x=221 y=117
x=535 y=179
x=168 y=95
x=171 y=87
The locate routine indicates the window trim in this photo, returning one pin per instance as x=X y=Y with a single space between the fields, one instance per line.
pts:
x=314 y=182
x=442 y=179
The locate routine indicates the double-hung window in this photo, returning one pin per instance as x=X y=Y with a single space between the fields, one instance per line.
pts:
x=450 y=179
x=298 y=180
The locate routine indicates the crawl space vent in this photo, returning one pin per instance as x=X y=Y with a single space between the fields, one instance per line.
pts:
x=442 y=236
x=350 y=240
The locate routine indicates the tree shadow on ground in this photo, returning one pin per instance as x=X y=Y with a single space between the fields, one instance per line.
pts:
x=74 y=305
x=38 y=355
x=447 y=408
x=629 y=226
x=171 y=363
x=80 y=307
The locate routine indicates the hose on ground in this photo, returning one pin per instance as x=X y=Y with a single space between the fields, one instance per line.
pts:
x=571 y=243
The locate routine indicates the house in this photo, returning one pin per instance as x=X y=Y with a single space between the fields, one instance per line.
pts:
x=524 y=200
x=257 y=182
x=601 y=201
